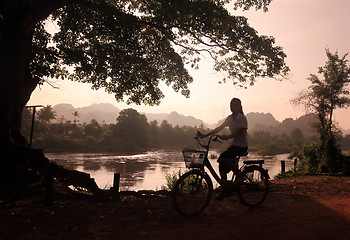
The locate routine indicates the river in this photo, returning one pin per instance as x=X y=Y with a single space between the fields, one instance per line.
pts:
x=143 y=171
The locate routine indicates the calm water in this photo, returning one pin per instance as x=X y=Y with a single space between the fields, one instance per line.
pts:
x=143 y=171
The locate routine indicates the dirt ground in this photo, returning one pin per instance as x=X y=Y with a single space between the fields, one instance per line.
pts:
x=315 y=207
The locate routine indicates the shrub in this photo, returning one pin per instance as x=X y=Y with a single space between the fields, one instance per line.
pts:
x=308 y=158
x=171 y=179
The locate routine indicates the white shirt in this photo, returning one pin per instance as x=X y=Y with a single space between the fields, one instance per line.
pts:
x=238 y=124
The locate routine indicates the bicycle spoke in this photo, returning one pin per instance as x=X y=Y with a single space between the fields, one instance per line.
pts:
x=254 y=188
x=192 y=193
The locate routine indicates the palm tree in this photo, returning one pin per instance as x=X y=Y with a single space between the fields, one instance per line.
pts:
x=46 y=114
x=76 y=115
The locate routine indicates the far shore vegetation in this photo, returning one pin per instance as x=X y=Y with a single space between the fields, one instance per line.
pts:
x=132 y=133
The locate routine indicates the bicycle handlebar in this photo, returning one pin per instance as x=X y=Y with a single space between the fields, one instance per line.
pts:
x=214 y=138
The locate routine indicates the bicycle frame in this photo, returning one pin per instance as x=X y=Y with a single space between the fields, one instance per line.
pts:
x=206 y=162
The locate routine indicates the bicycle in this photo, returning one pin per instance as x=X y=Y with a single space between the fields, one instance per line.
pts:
x=192 y=192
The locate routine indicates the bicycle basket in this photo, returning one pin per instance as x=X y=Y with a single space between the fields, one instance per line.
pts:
x=193 y=158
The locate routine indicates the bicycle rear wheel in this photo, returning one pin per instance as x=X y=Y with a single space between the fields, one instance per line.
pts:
x=192 y=192
x=255 y=186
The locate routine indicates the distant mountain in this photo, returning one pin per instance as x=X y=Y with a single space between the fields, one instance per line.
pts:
x=64 y=110
x=256 y=121
x=177 y=119
x=102 y=112
x=100 y=107
x=260 y=121
x=159 y=117
x=174 y=119
x=108 y=113
x=305 y=123
x=345 y=132
x=266 y=122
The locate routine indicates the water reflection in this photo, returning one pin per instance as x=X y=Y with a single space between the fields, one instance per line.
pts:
x=142 y=171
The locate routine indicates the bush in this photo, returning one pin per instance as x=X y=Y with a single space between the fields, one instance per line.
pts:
x=308 y=158
x=319 y=158
x=171 y=179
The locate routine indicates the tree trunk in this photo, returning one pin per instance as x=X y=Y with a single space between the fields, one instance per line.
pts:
x=16 y=86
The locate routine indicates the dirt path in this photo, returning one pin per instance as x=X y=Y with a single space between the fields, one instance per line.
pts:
x=308 y=208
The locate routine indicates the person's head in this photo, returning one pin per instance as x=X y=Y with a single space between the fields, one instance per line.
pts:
x=236 y=106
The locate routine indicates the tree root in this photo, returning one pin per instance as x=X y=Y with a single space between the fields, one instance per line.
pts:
x=50 y=171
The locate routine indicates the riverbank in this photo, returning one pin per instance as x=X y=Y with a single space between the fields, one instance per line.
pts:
x=313 y=207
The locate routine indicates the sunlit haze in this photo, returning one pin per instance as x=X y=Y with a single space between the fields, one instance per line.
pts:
x=304 y=28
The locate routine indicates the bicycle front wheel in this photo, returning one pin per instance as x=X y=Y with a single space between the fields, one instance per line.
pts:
x=192 y=192
x=255 y=186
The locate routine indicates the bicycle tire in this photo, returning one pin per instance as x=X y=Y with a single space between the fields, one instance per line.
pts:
x=191 y=193
x=255 y=186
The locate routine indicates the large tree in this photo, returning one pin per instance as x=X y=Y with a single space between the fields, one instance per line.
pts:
x=127 y=47
x=131 y=130
x=323 y=97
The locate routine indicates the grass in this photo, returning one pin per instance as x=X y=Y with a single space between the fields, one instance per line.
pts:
x=289 y=174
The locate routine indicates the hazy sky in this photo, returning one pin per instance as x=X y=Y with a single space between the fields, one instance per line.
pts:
x=304 y=28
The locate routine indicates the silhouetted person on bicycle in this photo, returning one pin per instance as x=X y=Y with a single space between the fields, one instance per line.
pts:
x=238 y=125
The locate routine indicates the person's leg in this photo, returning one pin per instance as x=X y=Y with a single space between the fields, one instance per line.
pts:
x=233 y=164
x=238 y=174
x=228 y=162
x=223 y=171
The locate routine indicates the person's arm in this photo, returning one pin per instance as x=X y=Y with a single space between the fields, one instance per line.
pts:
x=214 y=131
